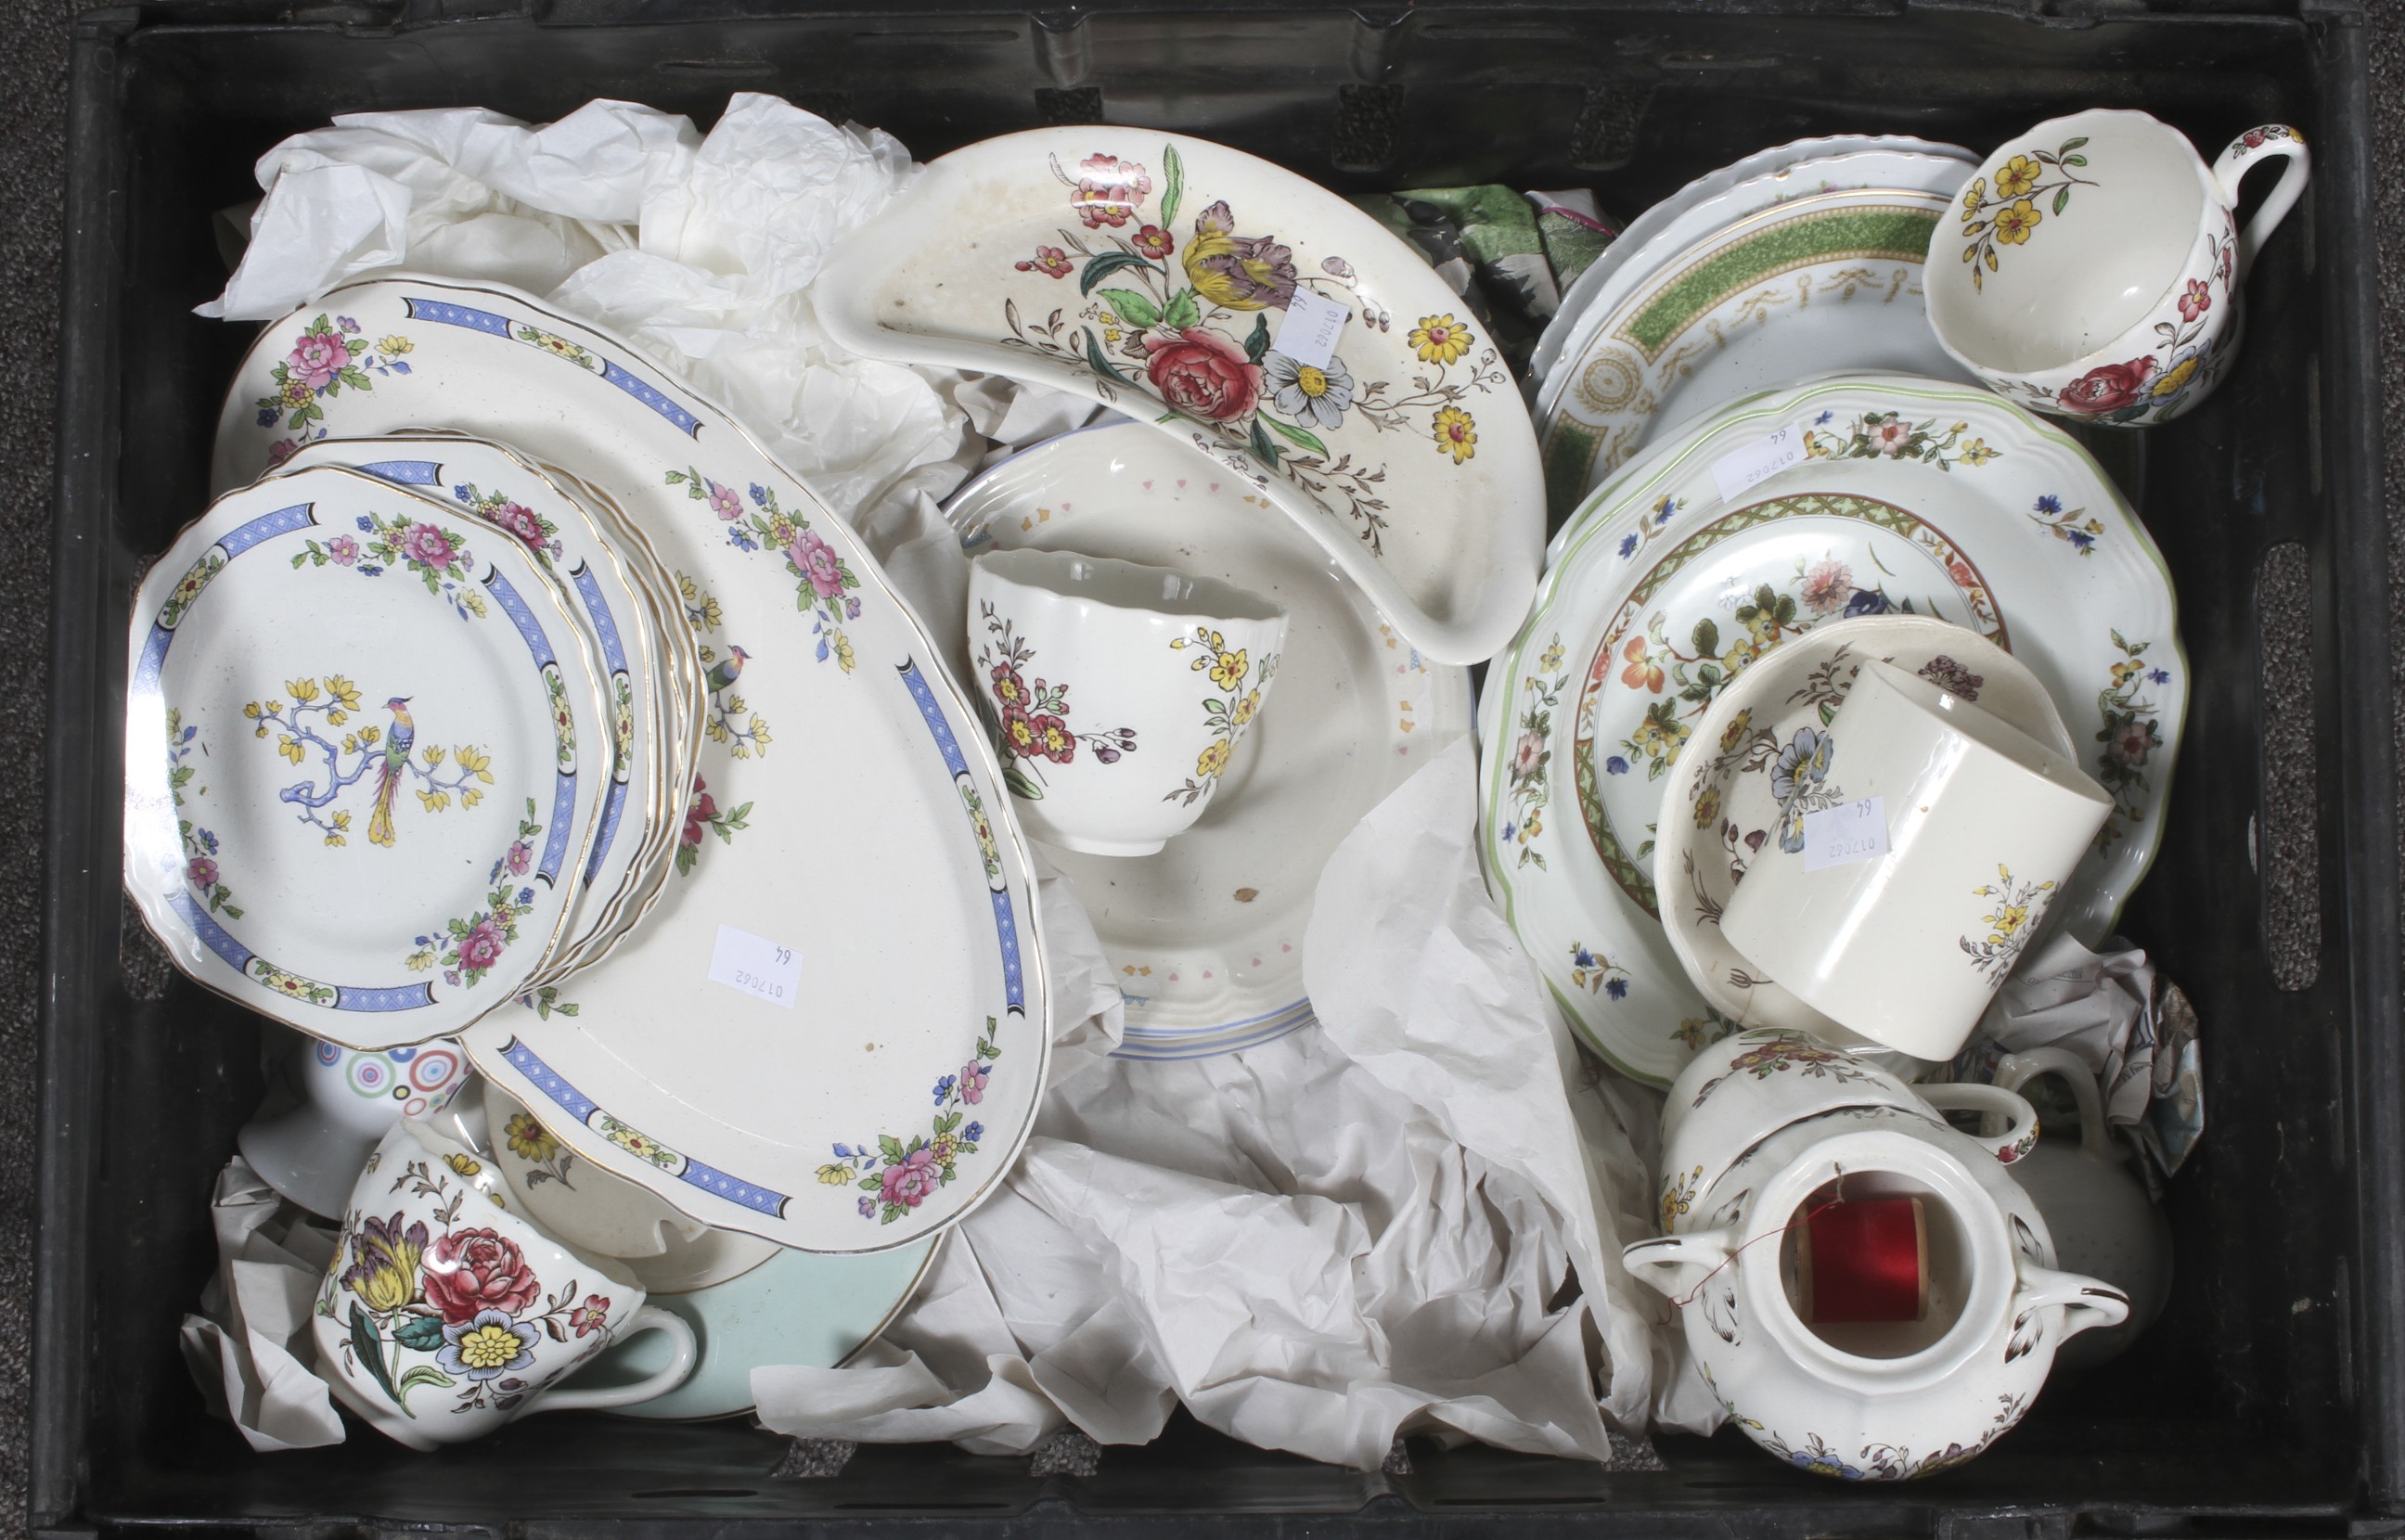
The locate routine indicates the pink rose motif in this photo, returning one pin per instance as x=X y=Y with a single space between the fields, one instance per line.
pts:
x=481 y=947
x=2196 y=302
x=2254 y=138
x=972 y=1079
x=282 y=450
x=1527 y=755
x=520 y=857
x=1051 y=261
x=698 y=816
x=1889 y=437
x=1828 y=586
x=201 y=873
x=343 y=549
x=2108 y=389
x=591 y=1316
x=911 y=1182
x=1203 y=374
x=468 y=1272
x=1108 y=191
x=423 y=543
x=817 y=561
x=725 y=503
x=519 y=520
x=316 y=358
x=2132 y=745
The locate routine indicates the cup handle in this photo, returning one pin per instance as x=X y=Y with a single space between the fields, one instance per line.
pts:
x=2086 y=1302
x=2020 y=1119
x=2017 y=1069
x=683 y=1355
x=2278 y=141
x=1675 y=1263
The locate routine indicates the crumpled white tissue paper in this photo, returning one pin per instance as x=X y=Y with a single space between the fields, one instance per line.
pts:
x=1355 y=1231
x=249 y=1347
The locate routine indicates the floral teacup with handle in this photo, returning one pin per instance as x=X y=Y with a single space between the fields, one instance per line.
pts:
x=2093 y=267
x=446 y=1313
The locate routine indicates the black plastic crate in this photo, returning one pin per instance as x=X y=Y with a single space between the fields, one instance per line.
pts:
x=2270 y=1398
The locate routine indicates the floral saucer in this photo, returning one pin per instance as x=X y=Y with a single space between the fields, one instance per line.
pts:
x=1253 y=314
x=1206 y=934
x=364 y=758
x=1911 y=496
x=831 y=1032
x=1779 y=293
x=1769 y=756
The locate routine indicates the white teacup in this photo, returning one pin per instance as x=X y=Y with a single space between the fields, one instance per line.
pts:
x=1120 y=691
x=1980 y=824
x=446 y=1313
x=2093 y=267
x=349 y=1098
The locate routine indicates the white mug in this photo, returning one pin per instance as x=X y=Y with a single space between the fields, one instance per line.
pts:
x=1119 y=693
x=445 y=1314
x=1980 y=824
x=2093 y=267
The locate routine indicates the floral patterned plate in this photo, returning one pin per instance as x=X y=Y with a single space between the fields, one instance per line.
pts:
x=1913 y=495
x=1777 y=293
x=493 y=486
x=364 y=757
x=831 y=1031
x=1188 y=283
x=1207 y=932
x=1771 y=756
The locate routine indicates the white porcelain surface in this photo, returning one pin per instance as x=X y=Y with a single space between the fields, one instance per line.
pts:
x=2096 y=1208
x=1169 y=672
x=2093 y=266
x=1744 y=1088
x=445 y=1314
x=2007 y=527
x=1207 y=935
x=1796 y=169
x=1762 y=734
x=311 y=1152
x=848 y=809
x=1983 y=825
x=1882 y=1401
x=1156 y=272
x=365 y=750
x=1776 y=293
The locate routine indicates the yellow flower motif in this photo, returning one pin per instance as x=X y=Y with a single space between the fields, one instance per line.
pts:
x=1738 y=726
x=2016 y=176
x=530 y=1139
x=344 y=691
x=1310 y=381
x=1441 y=339
x=2170 y=382
x=287 y=746
x=1976 y=453
x=489 y=1346
x=302 y=691
x=1213 y=760
x=434 y=756
x=1245 y=708
x=1708 y=807
x=370 y=735
x=250 y=710
x=337 y=716
x=835 y=1176
x=1656 y=740
x=435 y=801
x=476 y=764
x=1549 y=659
x=843 y=653
x=462 y=1164
x=1456 y=433
x=1228 y=668
x=2014 y=224
x=421 y=960
x=336 y=839
x=394 y=345
x=1973 y=196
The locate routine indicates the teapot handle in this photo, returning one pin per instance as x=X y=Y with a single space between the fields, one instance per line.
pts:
x=2252 y=149
x=2020 y=1119
x=1675 y=1263
x=2017 y=1069
x=2086 y=1302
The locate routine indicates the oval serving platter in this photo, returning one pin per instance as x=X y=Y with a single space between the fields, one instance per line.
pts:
x=831 y=1031
x=1183 y=282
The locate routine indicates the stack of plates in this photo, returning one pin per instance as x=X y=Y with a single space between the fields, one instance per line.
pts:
x=510 y=693
x=1795 y=262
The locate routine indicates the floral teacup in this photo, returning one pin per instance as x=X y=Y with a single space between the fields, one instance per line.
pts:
x=445 y=1314
x=2094 y=273
x=1169 y=671
x=350 y=1097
